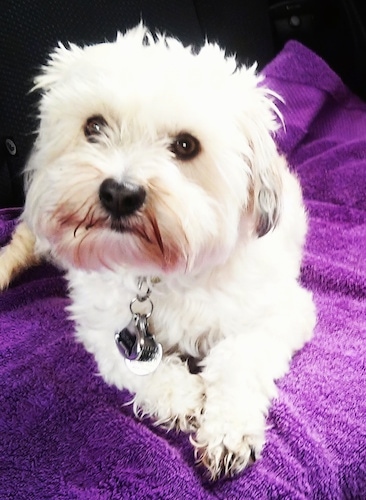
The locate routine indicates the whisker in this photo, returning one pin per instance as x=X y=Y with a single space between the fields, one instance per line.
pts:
x=77 y=228
x=91 y=222
x=82 y=222
x=78 y=248
x=187 y=264
x=76 y=211
x=140 y=232
x=157 y=233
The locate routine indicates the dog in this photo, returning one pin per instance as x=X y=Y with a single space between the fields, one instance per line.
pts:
x=155 y=183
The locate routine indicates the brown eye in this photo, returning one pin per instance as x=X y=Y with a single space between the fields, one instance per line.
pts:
x=94 y=127
x=185 y=147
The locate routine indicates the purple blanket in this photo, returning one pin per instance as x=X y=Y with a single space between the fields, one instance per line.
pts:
x=65 y=434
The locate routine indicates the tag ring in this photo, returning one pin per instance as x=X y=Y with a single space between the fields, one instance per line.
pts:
x=136 y=299
x=144 y=296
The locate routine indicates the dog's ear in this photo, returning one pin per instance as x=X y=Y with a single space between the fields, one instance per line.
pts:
x=57 y=66
x=266 y=166
x=259 y=119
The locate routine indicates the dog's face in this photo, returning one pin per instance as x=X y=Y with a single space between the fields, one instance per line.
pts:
x=150 y=156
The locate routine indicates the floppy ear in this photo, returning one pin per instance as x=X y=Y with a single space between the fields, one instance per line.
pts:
x=267 y=182
x=259 y=120
x=58 y=65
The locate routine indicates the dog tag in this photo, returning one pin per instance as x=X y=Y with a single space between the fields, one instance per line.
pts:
x=138 y=346
x=149 y=365
x=130 y=340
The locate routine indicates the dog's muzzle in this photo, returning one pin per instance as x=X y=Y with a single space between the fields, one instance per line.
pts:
x=121 y=199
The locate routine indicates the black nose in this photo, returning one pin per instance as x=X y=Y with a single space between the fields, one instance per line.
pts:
x=121 y=199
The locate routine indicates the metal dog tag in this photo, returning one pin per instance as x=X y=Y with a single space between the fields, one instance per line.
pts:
x=138 y=346
x=129 y=340
x=140 y=367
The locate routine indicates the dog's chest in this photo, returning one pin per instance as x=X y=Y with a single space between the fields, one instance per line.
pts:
x=188 y=323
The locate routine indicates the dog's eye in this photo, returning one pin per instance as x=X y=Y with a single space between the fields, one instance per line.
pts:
x=94 y=127
x=185 y=147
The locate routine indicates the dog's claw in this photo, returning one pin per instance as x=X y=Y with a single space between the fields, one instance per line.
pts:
x=220 y=461
x=252 y=457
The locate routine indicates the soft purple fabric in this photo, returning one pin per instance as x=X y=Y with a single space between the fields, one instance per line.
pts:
x=65 y=434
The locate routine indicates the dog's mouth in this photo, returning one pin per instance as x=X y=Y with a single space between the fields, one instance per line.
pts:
x=144 y=228
x=89 y=237
x=133 y=226
x=120 y=225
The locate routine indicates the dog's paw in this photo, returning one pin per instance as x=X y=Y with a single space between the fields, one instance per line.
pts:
x=178 y=416
x=18 y=255
x=173 y=398
x=226 y=447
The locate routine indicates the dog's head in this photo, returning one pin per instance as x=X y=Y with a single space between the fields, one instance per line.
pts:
x=151 y=155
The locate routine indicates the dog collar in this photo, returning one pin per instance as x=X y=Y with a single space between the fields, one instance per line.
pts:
x=135 y=342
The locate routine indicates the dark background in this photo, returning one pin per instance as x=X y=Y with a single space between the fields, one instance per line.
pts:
x=253 y=29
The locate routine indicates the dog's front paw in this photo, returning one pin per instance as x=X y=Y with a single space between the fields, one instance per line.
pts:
x=172 y=396
x=225 y=447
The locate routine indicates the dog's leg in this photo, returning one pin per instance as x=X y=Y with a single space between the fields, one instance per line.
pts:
x=17 y=256
x=171 y=394
x=239 y=375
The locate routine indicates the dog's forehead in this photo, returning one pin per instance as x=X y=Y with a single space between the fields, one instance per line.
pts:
x=158 y=82
x=130 y=68
x=158 y=86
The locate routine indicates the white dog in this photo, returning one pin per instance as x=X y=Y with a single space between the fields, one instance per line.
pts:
x=156 y=183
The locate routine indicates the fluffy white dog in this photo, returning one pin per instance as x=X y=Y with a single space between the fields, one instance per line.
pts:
x=156 y=183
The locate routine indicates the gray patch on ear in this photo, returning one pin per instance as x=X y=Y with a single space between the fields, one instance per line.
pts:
x=269 y=211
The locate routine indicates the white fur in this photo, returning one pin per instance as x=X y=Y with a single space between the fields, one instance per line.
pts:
x=231 y=223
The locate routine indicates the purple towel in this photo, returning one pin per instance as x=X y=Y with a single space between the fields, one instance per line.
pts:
x=65 y=434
